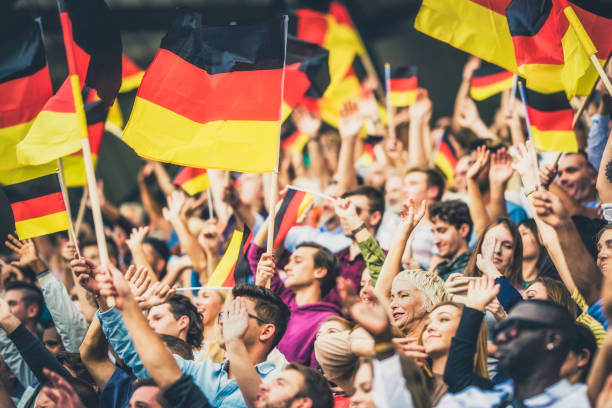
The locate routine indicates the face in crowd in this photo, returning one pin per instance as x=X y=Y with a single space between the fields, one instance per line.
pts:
x=604 y=251
x=440 y=328
x=209 y=304
x=576 y=177
x=407 y=304
x=448 y=239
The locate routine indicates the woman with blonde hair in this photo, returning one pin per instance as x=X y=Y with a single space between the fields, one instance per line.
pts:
x=210 y=303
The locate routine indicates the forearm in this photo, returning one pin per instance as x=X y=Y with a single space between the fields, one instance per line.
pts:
x=69 y=322
x=498 y=201
x=139 y=259
x=11 y=356
x=94 y=354
x=416 y=154
x=604 y=184
x=149 y=203
x=573 y=207
x=163 y=179
x=189 y=244
x=247 y=378
x=347 y=177
x=602 y=367
x=153 y=353
x=478 y=211
x=318 y=168
x=462 y=93
x=392 y=264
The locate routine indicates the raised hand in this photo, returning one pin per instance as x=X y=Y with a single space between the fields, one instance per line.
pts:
x=484 y=260
x=422 y=107
x=350 y=121
x=549 y=208
x=176 y=200
x=409 y=347
x=27 y=252
x=501 y=167
x=411 y=215
x=456 y=283
x=157 y=294
x=547 y=174
x=347 y=211
x=137 y=237
x=525 y=165
x=482 y=159
x=371 y=316
x=468 y=114
x=235 y=320
x=266 y=268
x=394 y=149
x=481 y=292
x=113 y=284
x=63 y=395
x=471 y=65
x=139 y=280
x=368 y=108
x=210 y=238
x=306 y=122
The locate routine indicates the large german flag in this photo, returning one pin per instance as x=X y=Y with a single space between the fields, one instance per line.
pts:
x=37 y=206
x=549 y=54
x=212 y=97
x=192 y=180
x=97 y=62
x=233 y=266
x=551 y=118
x=292 y=207
x=403 y=86
x=25 y=86
x=96 y=112
x=306 y=73
x=489 y=80
x=131 y=76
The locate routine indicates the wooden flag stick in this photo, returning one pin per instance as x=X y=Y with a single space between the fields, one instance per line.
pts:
x=512 y=96
x=388 y=99
x=82 y=126
x=81 y=213
x=521 y=88
x=210 y=203
x=62 y=179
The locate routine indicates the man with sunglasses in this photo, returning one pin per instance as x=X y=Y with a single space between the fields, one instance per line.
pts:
x=532 y=345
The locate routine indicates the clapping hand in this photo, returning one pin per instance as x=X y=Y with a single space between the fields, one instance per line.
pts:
x=484 y=260
x=481 y=292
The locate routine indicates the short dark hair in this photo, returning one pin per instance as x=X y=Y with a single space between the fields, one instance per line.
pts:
x=584 y=339
x=324 y=258
x=376 y=198
x=316 y=387
x=454 y=212
x=75 y=364
x=113 y=252
x=433 y=178
x=159 y=246
x=269 y=307
x=32 y=294
x=149 y=382
x=177 y=346
x=180 y=305
x=84 y=391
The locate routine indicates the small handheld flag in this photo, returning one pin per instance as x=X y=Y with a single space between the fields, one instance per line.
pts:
x=233 y=267
x=192 y=180
x=292 y=207
x=403 y=85
x=489 y=80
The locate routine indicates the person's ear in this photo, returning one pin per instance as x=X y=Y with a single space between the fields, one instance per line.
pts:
x=464 y=230
x=320 y=273
x=160 y=264
x=32 y=311
x=583 y=356
x=375 y=218
x=553 y=340
x=183 y=323
x=266 y=332
x=303 y=402
x=433 y=192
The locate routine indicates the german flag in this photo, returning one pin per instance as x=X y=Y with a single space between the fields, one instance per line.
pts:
x=306 y=73
x=403 y=86
x=131 y=75
x=37 y=206
x=533 y=35
x=292 y=207
x=446 y=158
x=97 y=52
x=551 y=118
x=96 y=112
x=292 y=139
x=192 y=180
x=25 y=86
x=488 y=80
x=198 y=107
x=233 y=266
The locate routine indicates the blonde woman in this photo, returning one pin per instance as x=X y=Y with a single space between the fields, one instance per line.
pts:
x=210 y=303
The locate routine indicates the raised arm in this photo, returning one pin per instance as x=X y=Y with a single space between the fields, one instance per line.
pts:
x=410 y=217
x=499 y=174
x=149 y=202
x=420 y=113
x=464 y=89
x=94 y=354
x=163 y=179
x=349 y=127
x=135 y=242
x=604 y=176
x=478 y=210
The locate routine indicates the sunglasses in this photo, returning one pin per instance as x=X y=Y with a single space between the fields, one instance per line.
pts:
x=259 y=319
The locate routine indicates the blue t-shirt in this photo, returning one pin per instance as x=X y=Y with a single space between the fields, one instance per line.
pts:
x=118 y=390
x=596 y=311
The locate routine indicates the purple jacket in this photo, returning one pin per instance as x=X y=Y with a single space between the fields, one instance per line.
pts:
x=297 y=344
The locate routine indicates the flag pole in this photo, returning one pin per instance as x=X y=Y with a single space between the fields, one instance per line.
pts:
x=274 y=181
x=62 y=179
x=82 y=126
x=81 y=213
x=210 y=203
x=388 y=99
x=512 y=96
x=587 y=44
x=587 y=99
x=521 y=88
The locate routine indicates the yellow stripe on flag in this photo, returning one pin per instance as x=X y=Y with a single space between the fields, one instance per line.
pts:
x=196 y=184
x=52 y=135
x=401 y=99
x=74 y=169
x=245 y=146
x=285 y=111
x=554 y=140
x=227 y=262
x=305 y=202
x=9 y=137
x=131 y=82
x=480 y=93
x=115 y=116
x=47 y=224
x=8 y=177
x=447 y=168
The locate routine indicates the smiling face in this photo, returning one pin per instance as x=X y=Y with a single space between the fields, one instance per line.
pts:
x=504 y=248
x=576 y=178
x=604 y=251
x=280 y=392
x=448 y=239
x=407 y=304
x=440 y=327
x=209 y=304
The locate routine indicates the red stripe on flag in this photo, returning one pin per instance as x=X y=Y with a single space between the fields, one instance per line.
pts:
x=190 y=91
x=490 y=79
x=128 y=68
x=311 y=26
x=554 y=120
x=445 y=150
x=403 y=84
x=187 y=174
x=290 y=214
x=499 y=6
x=296 y=84
x=598 y=28
x=38 y=207
x=23 y=98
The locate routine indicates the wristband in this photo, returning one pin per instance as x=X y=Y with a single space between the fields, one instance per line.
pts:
x=359 y=228
x=383 y=347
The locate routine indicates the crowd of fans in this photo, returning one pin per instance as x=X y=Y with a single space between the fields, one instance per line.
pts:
x=408 y=289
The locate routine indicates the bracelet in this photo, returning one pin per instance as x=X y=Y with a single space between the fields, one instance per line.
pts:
x=359 y=228
x=530 y=191
x=383 y=347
